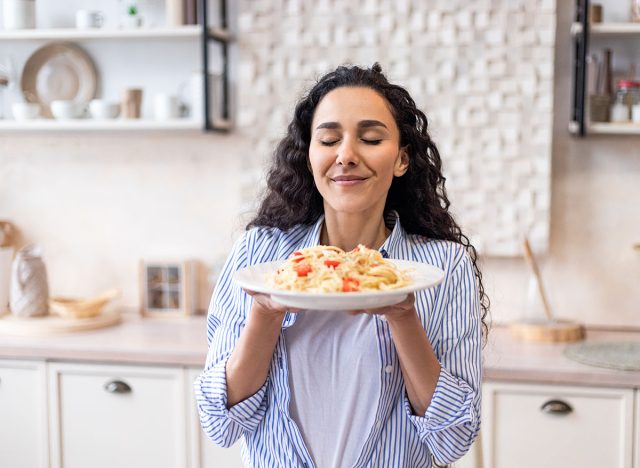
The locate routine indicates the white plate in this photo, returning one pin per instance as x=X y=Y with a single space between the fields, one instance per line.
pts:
x=423 y=276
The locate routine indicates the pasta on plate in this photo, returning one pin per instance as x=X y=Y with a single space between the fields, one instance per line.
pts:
x=328 y=269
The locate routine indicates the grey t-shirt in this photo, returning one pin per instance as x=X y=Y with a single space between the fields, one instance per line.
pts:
x=334 y=376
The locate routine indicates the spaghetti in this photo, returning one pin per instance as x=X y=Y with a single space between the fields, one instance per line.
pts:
x=328 y=269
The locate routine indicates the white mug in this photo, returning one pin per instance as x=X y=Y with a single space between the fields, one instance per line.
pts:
x=86 y=19
x=19 y=14
x=166 y=106
x=25 y=110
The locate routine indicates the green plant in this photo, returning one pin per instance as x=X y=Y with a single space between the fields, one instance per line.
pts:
x=132 y=10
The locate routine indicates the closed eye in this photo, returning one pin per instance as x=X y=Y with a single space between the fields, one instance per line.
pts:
x=328 y=142
x=371 y=142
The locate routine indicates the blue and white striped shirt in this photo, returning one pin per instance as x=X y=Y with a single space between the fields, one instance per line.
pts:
x=449 y=313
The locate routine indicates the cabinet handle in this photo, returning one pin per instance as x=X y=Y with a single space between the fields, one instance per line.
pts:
x=556 y=407
x=117 y=386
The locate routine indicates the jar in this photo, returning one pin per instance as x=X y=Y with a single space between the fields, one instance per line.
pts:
x=19 y=14
x=627 y=95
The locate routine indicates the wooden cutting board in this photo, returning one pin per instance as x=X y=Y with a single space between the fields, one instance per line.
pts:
x=52 y=324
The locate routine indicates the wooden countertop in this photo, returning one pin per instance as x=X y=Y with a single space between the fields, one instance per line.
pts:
x=182 y=342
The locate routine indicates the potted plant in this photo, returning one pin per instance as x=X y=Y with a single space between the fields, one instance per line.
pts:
x=132 y=18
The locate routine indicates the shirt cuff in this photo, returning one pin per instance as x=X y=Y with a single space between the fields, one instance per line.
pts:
x=451 y=405
x=211 y=394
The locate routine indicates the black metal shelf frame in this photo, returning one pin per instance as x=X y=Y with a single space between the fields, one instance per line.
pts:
x=580 y=33
x=223 y=38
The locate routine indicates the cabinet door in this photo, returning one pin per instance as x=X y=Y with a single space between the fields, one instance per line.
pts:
x=556 y=426
x=204 y=453
x=23 y=414
x=117 y=416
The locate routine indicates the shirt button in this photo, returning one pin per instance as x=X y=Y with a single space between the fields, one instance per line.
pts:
x=388 y=369
x=382 y=317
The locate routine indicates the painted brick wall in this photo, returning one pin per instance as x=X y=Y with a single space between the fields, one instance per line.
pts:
x=482 y=71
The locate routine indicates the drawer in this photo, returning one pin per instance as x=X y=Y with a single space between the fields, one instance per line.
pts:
x=124 y=416
x=557 y=426
x=23 y=410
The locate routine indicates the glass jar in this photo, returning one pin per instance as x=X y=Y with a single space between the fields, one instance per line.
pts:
x=627 y=96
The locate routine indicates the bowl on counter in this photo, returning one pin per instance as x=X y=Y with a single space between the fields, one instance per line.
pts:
x=25 y=110
x=67 y=109
x=74 y=308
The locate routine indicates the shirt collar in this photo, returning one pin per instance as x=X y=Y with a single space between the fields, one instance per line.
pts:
x=391 y=248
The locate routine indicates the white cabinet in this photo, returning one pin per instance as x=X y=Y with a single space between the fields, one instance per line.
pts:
x=557 y=426
x=117 y=416
x=636 y=443
x=204 y=453
x=23 y=420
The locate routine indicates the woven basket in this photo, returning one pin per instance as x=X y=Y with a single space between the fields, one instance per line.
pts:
x=81 y=308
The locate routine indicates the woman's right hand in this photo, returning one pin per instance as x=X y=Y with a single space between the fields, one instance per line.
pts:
x=263 y=304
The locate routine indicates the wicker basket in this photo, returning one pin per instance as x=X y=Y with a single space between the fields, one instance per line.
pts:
x=81 y=308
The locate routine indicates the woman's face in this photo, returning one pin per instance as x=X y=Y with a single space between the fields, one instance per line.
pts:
x=355 y=150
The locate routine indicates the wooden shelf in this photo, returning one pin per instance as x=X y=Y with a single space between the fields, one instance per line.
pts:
x=99 y=125
x=613 y=129
x=192 y=31
x=607 y=29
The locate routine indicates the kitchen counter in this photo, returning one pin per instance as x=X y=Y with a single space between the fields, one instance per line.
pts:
x=136 y=340
x=510 y=360
x=183 y=342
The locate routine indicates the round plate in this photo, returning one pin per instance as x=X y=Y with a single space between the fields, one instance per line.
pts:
x=423 y=276
x=58 y=70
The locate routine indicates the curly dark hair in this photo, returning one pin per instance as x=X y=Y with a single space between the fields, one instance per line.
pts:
x=292 y=198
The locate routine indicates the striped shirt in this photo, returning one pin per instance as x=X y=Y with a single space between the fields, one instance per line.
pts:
x=449 y=313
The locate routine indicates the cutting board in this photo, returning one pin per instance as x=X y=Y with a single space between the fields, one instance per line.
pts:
x=52 y=324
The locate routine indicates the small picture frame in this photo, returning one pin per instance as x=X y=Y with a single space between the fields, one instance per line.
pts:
x=167 y=288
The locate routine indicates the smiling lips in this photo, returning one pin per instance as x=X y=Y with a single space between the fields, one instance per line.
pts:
x=347 y=180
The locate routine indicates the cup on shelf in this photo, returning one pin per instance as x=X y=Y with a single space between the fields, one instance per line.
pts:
x=131 y=103
x=102 y=109
x=166 y=106
x=19 y=14
x=88 y=19
x=67 y=109
x=25 y=110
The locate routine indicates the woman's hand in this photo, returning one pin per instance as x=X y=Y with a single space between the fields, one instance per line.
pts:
x=401 y=310
x=263 y=304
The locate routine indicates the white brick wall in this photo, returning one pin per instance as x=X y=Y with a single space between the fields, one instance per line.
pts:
x=482 y=72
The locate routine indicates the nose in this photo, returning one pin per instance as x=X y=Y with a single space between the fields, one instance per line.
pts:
x=347 y=153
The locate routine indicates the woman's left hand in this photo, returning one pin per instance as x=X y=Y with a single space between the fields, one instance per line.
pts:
x=406 y=308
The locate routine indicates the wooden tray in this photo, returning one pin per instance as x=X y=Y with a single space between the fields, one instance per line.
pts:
x=53 y=324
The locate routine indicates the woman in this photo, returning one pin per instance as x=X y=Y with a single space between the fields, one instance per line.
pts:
x=396 y=386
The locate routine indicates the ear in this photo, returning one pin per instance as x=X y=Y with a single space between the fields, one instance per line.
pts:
x=402 y=163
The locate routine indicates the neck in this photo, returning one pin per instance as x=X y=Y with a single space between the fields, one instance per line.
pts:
x=347 y=230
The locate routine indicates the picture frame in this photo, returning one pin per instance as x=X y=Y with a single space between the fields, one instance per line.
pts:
x=167 y=288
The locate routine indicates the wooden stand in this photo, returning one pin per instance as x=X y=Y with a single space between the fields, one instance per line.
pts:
x=556 y=331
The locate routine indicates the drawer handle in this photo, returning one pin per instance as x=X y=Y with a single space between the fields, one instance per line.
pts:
x=117 y=386
x=556 y=407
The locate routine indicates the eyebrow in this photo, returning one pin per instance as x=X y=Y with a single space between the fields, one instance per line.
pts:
x=362 y=124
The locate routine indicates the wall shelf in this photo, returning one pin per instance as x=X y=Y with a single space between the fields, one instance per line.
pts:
x=582 y=32
x=187 y=32
x=102 y=125
x=613 y=129
x=602 y=29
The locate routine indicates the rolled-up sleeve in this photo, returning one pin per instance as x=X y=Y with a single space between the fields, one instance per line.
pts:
x=227 y=311
x=452 y=420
